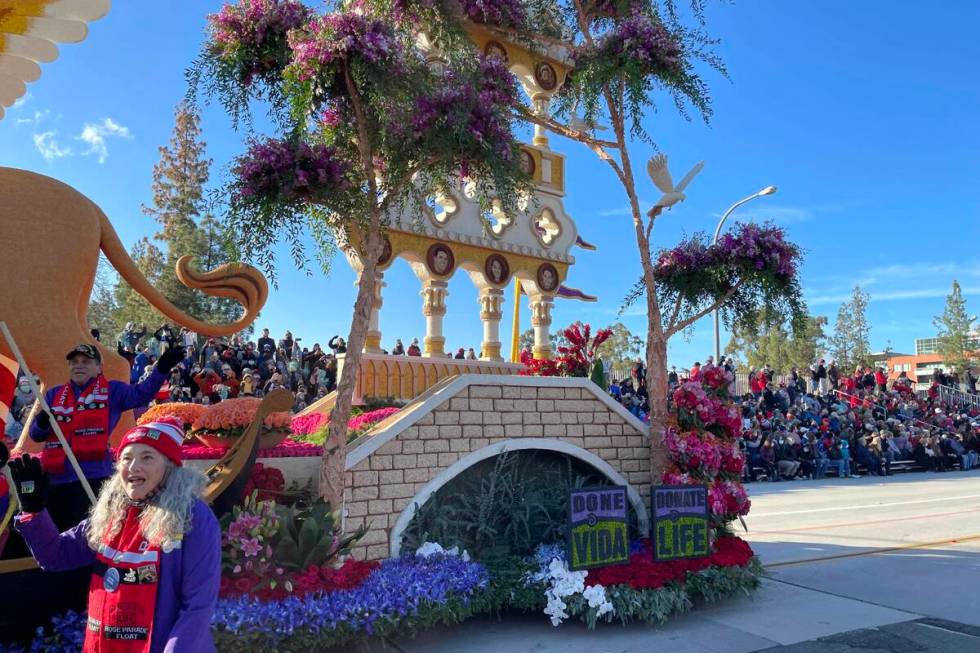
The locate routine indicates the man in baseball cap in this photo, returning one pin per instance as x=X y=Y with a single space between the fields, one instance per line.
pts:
x=87 y=408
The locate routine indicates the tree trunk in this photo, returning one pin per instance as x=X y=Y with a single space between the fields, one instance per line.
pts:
x=333 y=463
x=657 y=391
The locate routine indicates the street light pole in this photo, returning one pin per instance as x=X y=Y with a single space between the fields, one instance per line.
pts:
x=768 y=190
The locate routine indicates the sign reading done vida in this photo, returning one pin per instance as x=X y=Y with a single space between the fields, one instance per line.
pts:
x=597 y=527
x=680 y=522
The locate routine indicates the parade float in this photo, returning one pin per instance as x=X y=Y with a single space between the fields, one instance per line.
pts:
x=343 y=524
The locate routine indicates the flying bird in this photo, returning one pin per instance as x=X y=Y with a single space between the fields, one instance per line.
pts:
x=29 y=32
x=657 y=169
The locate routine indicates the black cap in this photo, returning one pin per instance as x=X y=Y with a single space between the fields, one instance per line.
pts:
x=85 y=349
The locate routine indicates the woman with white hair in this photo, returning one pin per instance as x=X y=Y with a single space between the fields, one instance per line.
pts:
x=153 y=545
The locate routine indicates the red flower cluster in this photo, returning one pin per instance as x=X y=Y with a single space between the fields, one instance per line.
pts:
x=267 y=480
x=576 y=359
x=314 y=579
x=644 y=573
x=715 y=377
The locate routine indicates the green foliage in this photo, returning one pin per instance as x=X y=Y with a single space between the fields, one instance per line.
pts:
x=598 y=374
x=130 y=306
x=102 y=307
x=777 y=345
x=850 y=344
x=503 y=506
x=955 y=330
x=311 y=536
x=621 y=349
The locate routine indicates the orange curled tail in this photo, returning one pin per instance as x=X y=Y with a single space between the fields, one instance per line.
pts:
x=237 y=281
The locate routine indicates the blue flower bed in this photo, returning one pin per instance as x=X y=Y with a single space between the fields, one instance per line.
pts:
x=405 y=593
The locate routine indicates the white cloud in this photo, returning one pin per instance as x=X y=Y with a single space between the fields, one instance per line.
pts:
x=890 y=295
x=35 y=118
x=95 y=135
x=47 y=144
x=625 y=210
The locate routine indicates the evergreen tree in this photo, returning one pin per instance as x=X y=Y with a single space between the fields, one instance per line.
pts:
x=778 y=345
x=102 y=305
x=130 y=306
x=954 y=328
x=851 y=343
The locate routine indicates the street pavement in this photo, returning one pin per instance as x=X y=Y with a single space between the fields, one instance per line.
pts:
x=866 y=565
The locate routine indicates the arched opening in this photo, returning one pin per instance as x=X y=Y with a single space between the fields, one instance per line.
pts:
x=507 y=498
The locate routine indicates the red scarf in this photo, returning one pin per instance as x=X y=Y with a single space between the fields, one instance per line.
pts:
x=122 y=595
x=84 y=422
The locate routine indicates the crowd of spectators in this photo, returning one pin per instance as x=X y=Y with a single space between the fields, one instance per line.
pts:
x=215 y=369
x=805 y=425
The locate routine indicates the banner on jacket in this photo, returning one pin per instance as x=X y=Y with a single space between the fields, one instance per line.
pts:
x=598 y=533
x=680 y=522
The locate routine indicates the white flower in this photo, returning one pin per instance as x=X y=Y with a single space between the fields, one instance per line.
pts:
x=596 y=596
x=429 y=549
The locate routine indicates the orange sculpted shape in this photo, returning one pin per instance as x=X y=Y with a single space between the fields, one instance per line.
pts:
x=52 y=236
x=186 y=413
x=237 y=414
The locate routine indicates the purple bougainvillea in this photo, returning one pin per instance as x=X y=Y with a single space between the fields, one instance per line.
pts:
x=291 y=170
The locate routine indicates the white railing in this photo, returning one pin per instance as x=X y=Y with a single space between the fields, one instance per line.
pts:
x=955 y=397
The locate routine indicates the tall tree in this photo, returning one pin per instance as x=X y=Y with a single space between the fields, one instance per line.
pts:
x=186 y=227
x=956 y=332
x=778 y=345
x=851 y=343
x=365 y=127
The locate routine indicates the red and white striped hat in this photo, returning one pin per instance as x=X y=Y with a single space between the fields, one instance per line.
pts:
x=165 y=435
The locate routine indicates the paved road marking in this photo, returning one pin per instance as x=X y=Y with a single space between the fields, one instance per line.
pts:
x=864 y=522
x=869 y=505
x=871 y=552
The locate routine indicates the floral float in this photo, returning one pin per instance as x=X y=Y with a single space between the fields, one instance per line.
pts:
x=220 y=424
x=577 y=358
x=702 y=443
x=185 y=412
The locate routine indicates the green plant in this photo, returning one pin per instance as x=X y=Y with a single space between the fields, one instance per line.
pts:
x=503 y=506
x=311 y=536
x=598 y=374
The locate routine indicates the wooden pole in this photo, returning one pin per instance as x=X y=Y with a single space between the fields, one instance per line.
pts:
x=44 y=406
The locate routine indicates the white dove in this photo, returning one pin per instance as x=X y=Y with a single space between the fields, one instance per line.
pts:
x=657 y=168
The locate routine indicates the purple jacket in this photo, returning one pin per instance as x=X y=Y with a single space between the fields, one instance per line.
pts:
x=190 y=576
x=122 y=397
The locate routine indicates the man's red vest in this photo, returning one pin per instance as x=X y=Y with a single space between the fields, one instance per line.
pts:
x=84 y=422
x=122 y=595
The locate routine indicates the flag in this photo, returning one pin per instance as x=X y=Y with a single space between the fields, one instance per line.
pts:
x=8 y=383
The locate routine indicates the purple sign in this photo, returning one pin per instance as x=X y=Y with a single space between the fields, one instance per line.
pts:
x=598 y=503
x=671 y=500
x=598 y=532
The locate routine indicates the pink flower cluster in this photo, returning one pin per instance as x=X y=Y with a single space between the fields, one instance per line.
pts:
x=370 y=418
x=643 y=40
x=693 y=451
x=253 y=34
x=728 y=499
x=338 y=36
x=291 y=170
x=307 y=424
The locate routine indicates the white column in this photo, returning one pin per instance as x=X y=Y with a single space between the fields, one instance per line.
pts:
x=541 y=321
x=434 y=293
x=372 y=341
x=491 y=303
x=542 y=108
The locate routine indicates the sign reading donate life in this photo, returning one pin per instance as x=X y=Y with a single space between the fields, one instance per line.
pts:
x=680 y=522
x=597 y=530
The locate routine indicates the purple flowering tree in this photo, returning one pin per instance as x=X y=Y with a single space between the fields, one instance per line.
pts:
x=365 y=125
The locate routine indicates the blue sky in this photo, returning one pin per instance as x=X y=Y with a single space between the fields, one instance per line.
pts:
x=863 y=114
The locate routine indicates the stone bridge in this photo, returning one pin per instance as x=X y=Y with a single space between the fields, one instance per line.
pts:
x=403 y=461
